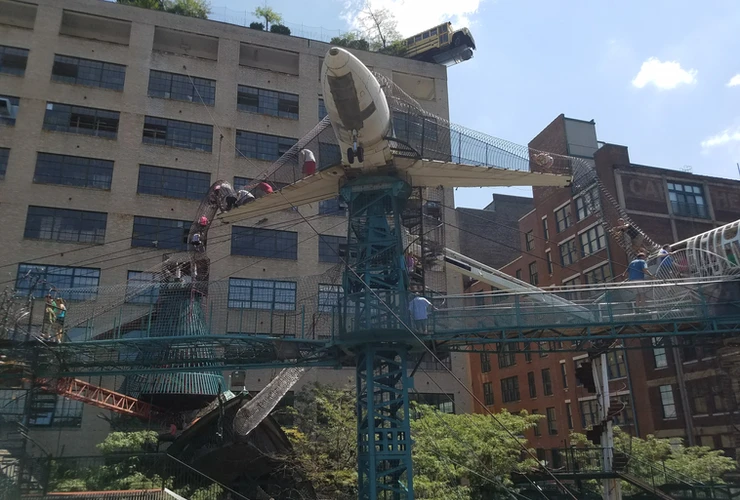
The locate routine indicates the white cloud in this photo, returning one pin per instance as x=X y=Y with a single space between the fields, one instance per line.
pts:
x=664 y=75
x=723 y=138
x=734 y=81
x=414 y=16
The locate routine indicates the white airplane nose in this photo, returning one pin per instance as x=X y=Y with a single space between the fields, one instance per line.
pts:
x=336 y=59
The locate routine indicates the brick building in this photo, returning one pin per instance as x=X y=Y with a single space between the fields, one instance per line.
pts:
x=499 y=221
x=564 y=244
x=111 y=139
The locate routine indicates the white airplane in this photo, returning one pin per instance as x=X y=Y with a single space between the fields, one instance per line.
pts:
x=361 y=118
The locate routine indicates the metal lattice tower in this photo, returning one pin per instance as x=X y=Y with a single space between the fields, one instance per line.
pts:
x=375 y=314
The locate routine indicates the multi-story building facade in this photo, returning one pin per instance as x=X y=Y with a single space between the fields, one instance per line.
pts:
x=499 y=223
x=125 y=117
x=669 y=390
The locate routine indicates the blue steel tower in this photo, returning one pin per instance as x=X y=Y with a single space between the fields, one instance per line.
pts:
x=375 y=315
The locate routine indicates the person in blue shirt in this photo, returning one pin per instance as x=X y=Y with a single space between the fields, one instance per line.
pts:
x=419 y=307
x=636 y=271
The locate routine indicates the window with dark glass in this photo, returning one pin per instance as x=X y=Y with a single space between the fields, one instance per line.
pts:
x=262 y=294
x=73 y=171
x=80 y=283
x=616 y=365
x=487 y=393
x=173 y=182
x=518 y=274
x=334 y=206
x=12 y=401
x=601 y=274
x=4 y=155
x=262 y=146
x=177 y=134
x=545 y=229
x=552 y=425
x=330 y=248
x=593 y=240
x=537 y=433
x=445 y=403
x=61 y=224
x=182 y=87
x=625 y=417
x=267 y=102
x=587 y=204
x=160 y=233
x=142 y=287
x=529 y=239
x=485 y=362
x=568 y=252
x=533 y=276
x=589 y=413
x=269 y=243
x=510 y=389
x=687 y=199
x=428 y=362
x=507 y=355
x=14 y=103
x=564 y=375
x=88 y=72
x=532 y=385
x=329 y=296
x=527 y=352
x=81 y=120
x=329 y=155
x=563 y=218
x=546 y=382
x=667 y=401
x=50 y=410
x=569 y=415
x=548 y=257
x=13 y=60
x=322 y=109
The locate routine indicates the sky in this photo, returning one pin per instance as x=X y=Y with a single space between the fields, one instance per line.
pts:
x=661 y=77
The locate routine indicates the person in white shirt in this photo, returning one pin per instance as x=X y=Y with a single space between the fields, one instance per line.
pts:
x=419 y=308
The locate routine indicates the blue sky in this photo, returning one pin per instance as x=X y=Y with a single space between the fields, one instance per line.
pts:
x=661 y=77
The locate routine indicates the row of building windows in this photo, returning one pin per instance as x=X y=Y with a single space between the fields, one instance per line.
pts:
x=80 y=226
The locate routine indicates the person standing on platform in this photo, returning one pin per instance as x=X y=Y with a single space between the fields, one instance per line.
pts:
x=308 y=162
x=419 y=308
x=636 y=271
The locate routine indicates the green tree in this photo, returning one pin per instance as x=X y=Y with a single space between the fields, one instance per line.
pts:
x=190 y=8
x=351 y=41
x=658 y=459
x=269 y=15
x=378 y=26
x=446 y=447
x=280 y=29
x=128 y=442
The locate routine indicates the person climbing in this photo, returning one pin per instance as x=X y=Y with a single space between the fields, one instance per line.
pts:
x=196 y=242
x=203 y=221
x=261 y=190
x=243 y=197
x=228 y=195
x=419 y=308
x=636 y=238
x=308 y=161
x=50 y=316
x=61 y=314
x=636 y=271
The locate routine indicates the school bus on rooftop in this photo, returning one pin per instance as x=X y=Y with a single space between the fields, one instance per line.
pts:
x=441 y=44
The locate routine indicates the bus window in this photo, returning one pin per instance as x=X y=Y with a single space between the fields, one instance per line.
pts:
x=425 y=35
x=410 y=42
x=443 y=38
x=433 y=32
x=417 y=38
x=443 y=28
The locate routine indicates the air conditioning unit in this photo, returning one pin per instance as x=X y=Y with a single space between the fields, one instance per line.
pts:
x=7 y=110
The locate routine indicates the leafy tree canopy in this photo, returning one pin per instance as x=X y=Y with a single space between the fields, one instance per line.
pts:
x=455 y=456
x=269 y=15
x=190 y=8
x=351 y=41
